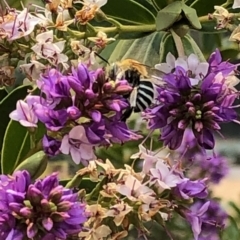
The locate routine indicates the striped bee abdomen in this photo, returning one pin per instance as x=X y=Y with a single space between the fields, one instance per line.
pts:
x=145 y=95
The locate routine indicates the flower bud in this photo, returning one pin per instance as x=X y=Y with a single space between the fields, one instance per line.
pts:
x=64 y=206
x=56 y=194
x=121 y=89
x=26 y=212
x=15 y=207
x=35 y=196
x=108 y=87
x=90 y=94
x=59 y=216
x=73 y=112
x=46 y=206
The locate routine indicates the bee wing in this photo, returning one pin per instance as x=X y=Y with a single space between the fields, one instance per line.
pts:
x=155 y=76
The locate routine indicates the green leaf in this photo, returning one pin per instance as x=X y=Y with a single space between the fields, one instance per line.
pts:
x=3 y=93
x=16 y=145
x=7 y=105
x=203 y=7
x=144 y=50
x=172 y=13
x=35 y=165
x=123 y=12
x=191 y=15
x=167 y=45
x=168 y=16
x=190 y=46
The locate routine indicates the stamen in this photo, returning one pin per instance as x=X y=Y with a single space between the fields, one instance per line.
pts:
x=236 y=121
x=236 y=106
x=6 y=4
x=147 y=136
x=221 y=134
x=39 y=7
x=14 y=24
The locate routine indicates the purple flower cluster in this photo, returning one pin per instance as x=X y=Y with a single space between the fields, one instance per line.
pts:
x=201 y=100
x=42 y=210
x=84 y=108
x=206 y=218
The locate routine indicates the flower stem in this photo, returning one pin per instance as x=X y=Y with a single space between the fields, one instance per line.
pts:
x=227 y=3
x=32 y=141
x=178 y=43
x=117 y=29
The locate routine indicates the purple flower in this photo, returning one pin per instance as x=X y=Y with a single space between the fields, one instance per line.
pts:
x=77 y=144
x=203 y=106
x=195 y=218
x=202 y=165
x=189 y=147
x=24 y=114
x=51 y=146
x=214 y=168
x=38 y=210
x=217 y=65
x=209 y=236
x=95 y=132
x=188 y=189
x=213 y=219
x=85 y=98
x=54 y=120
x=118 y=131
x=54 y=85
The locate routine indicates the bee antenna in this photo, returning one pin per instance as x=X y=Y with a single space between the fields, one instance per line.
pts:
x=102 y=58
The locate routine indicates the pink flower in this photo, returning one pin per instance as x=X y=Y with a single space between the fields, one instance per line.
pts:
x=22 y=25
x=163 y=177
x=134 y=190
x=77 y=144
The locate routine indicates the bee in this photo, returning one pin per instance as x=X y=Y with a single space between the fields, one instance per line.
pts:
x=140 y=77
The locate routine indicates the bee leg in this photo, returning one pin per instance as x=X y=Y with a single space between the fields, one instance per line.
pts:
x=126 y=114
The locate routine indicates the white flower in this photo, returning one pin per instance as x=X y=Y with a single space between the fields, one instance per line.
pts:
x=89 y=10
x=101 y=40
x=61 y=23
x=236 y=4
x=222 y=16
